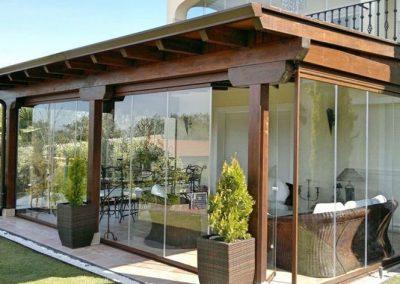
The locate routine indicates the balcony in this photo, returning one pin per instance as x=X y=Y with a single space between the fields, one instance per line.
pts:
x=377 y=17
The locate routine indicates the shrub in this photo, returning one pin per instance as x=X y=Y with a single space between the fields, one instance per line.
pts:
x=231 y=206
x=76 y=184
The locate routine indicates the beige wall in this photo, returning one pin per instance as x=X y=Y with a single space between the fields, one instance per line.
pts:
x=177 y=9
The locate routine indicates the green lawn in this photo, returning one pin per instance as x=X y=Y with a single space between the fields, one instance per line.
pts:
x=394 y=280
x=19 y=264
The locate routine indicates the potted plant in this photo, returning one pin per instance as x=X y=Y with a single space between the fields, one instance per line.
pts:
x=76 y=220
x=228 y=256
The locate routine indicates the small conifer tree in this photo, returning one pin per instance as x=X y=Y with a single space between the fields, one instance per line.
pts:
x=76 y=182
x=231 y=206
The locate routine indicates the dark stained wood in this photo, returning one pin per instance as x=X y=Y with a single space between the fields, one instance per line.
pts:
x=37 y=74
x=278 y=21
x=11 y=153
x=296 y=155
x=258 y=173
x=86 y=66
x=225 y=36
x=21 y=78
x=377 y=68
x=165 y=85
x=94 y=153
x=62 y=71
x=144 y=53
x=64 y=97
x=111 y=60
x=336 y=77
x=241 y=17
x=273 y=73
x=6 y=86
x=190 y=66
x=180 y=45
x=95 y=96
x=3 y=155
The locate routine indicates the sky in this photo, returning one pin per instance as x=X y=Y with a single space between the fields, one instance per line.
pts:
x=34 y=28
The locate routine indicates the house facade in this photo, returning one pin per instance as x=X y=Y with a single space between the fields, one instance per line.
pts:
x=308 y=104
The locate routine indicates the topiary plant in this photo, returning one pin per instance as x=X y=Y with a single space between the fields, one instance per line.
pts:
x=76 y=184
x=231 y=206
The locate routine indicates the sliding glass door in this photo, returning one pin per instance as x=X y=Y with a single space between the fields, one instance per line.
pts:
x=155 y=172
x=49 y=135
x=348 y=169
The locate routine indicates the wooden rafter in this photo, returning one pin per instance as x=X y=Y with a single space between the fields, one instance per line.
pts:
x=110 y=60
x=22 y=78
x=85 y=66
x=62 y=71
x=225 y=36
x=37 y=74
x=180 y=45
x=143 y=53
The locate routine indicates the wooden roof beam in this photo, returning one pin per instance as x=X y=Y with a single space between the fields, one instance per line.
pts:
x=143 y=53
x=110 y=60
x=37 y=74
x=5 y=86
x=181 y=46
x=62 y=71
x=225 y=36
x=85 y=66
x=22 y=78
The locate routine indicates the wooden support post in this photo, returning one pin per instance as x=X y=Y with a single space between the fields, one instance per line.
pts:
x=95 y=96
x=258 y=173
x=94 y=151
x=11 y=156
x=3 y=155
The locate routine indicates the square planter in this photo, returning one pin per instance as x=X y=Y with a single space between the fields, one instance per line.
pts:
x=220 y=262
x=76 y=225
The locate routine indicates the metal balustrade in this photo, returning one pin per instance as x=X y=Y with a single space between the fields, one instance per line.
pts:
x=376 y=17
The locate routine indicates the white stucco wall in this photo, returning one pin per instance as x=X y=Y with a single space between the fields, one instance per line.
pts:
x=177 y=9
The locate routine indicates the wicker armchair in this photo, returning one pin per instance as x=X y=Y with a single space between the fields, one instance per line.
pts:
x=316 y=252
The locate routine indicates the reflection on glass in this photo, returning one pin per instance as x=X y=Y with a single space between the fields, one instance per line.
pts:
x=383 y=176
x=49 y=135
x=280 y=173
x=348 y=160
x=155 y=165
x=316 y=245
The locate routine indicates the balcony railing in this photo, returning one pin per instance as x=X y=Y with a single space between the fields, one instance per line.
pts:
x=377 y=17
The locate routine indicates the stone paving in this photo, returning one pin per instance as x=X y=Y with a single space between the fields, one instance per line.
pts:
x=128 y=264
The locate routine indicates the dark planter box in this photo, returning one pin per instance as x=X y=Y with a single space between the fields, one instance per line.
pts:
x=220 y=262
x=76 y=225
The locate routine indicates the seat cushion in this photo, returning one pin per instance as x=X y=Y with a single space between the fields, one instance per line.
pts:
x=379 y=199
x=328 y=207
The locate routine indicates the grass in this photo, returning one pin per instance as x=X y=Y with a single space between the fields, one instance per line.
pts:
x=19 y=264
x=393 y=280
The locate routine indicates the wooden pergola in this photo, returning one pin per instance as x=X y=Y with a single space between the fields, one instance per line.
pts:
x=250 y=46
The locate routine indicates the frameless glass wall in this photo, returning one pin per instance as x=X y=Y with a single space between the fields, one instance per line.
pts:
x=347 y=170
x=48 y=136
x=155 y=172
x=280 y=173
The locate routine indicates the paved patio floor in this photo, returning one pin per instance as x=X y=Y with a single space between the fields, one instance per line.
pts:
x=131 y=265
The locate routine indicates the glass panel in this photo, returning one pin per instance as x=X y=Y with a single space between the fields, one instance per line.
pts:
x=383 y=177
x=316 y=247
x=155 y=172
x=49 y=134
x=132 y=195
x=350 y=179
x=187 y=131
x=280 y=205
